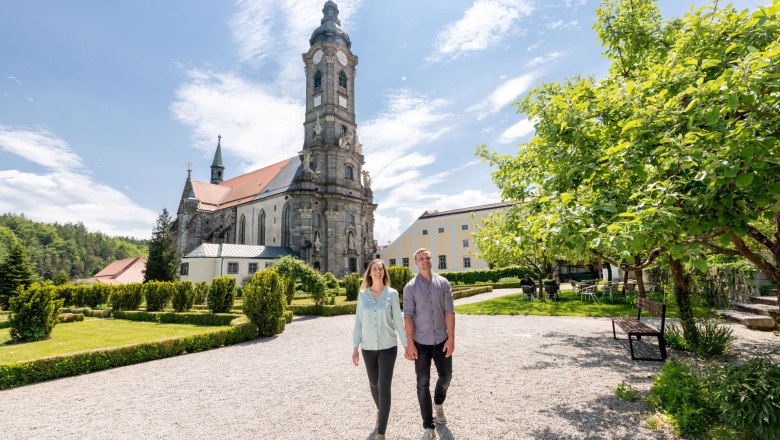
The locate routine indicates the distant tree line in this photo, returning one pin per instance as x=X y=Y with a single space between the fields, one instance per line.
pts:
x=61 y=252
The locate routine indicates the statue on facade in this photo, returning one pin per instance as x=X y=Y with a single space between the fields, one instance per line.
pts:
x=317 y=126
x=350 y=242
x=307 y=161
x=366 y=178
x=317 y=242
x=366 y=247
x=345 y=141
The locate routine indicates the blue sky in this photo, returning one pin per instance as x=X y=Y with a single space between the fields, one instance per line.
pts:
x=103 y=103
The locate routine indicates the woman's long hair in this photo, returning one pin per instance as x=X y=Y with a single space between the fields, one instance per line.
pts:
x=368 y=281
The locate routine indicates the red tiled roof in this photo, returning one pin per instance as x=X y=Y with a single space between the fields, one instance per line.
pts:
x=236 y=190
x=429 y=214
x=129 y=270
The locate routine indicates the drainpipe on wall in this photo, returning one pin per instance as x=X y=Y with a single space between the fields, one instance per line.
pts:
x=221 y=260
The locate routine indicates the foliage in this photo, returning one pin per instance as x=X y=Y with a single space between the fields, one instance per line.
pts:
x=311 y=280
x=222 y=294
x=201 y=292
x=679 y=392
x=127 y=296
x=214 y=319
x=15 y=270
x=158 y=294
x=67 y=248
x=713 y=339
x=399 y=276
x=163 y=261
x=624 y=391
x=330 y=280
x=484 y=276
x=322 y=310
x=352 y=285
x=673 y=336
x=748 y=397
x=264 y=302
x=33 y=312
x=23 y=373
x=70 y=317
x=183 y=297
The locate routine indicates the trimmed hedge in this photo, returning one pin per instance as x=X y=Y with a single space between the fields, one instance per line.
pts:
x=184 y=297
x=264 y=302
x=471 y=292
x=86 y=311
x=127 y=297
x=34 y=312
x=158 y=294
x=288 y=316
x=70 y=317
x=485 y=276
x=212 y=319
x=399 y=276
x=352 y=285
x=23 y=373
x=5 y=324
x=222 y=294
x=345 y=308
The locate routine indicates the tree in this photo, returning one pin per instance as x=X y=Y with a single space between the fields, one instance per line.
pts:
x=674 y=147
x=15 y=270
x=163 y=262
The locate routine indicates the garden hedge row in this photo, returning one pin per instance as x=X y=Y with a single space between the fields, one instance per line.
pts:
x=471 y=292
x=213 y=319
x=70 y=317
x=485 y=276
x=345 y=308
x=23 y=373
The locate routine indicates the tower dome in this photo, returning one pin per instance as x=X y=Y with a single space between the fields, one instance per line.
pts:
x=330 y=27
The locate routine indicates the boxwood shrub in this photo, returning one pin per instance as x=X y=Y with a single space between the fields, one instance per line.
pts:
x=183 y=297
x=34 y=312
x=471 y=292
x=70 y=317
x=399 y=276
x=264 y=302
x=352 y=285
x=201 y=289
x=158 y=294
x=222 y=294
x=127 y=297
x=213 y=319
x=345 y=308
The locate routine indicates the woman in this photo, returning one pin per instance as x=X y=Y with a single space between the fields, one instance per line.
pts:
x=378 y=320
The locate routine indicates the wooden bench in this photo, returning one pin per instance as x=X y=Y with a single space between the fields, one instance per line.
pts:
x=635 y=327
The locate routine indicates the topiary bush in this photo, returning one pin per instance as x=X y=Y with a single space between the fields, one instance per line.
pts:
x=399 y=276
x=128 y=297
x=184 y=296
x=264 y=302
x=34 y=312
x=222 y=294
x=352 y=285
x=201 y=291
x=331 y=281
x=158 y=294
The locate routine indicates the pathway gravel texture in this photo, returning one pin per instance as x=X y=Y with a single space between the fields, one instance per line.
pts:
x=514 y=377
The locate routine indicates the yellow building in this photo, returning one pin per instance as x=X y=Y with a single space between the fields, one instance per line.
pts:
x=447 y=234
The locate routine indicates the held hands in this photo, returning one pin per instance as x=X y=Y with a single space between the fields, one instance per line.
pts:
x=355 y=356
x=449 y=347
x=411 y=352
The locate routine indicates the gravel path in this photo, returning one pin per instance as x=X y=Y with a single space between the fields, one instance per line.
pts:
x=515 y=377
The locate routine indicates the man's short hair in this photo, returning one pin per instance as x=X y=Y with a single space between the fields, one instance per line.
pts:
x=418 y=251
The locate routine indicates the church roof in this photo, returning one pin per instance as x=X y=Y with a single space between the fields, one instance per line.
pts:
x=209 y=250
x=429 y=214
x=129 y=270
x=271 y=180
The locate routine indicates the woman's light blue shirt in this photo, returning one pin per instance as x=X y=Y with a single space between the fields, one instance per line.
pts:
x=377 y=322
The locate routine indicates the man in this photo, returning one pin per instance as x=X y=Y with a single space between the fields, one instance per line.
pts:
x=429 y=320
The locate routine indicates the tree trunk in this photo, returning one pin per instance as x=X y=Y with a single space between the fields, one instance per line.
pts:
x=682 y=293
x=625 y=281
x=609 y=272
x=640 y=283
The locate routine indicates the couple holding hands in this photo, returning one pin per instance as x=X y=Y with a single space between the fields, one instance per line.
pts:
x=428 y=324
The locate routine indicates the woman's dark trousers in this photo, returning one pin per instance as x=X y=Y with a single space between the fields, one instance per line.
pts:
x=379 y=366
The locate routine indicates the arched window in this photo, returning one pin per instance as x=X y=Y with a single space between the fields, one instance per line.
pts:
x=343 y=130
x=261 y=229
x=343 y=79
x=316 y=220
x=350 y=220
x=317 y=79
x=242 y=230
x=349 y=173
x=286 y=225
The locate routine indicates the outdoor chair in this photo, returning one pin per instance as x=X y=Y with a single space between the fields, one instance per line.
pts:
x=589 y=291
x=552 y=291
x=528 y=292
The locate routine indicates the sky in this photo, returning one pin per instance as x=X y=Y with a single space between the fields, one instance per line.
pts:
x=102 y=104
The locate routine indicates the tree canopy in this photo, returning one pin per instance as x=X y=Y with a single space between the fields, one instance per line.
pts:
x=163 y=261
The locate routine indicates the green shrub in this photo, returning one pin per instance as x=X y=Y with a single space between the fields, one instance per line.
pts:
x=330 y=280
x=489 y=275
x=399 y=276
x=201 y=292
x=673 y=336
x=714 y=338
x=222 y=294
x=158 y=294
x=345 y=308
x=624 y=391
x=509 y=280
x=471 y=292
x=211 y=319
x=128 y=297
x=288 y=285
x=70 y=317
x=288 y=316
x=679 y=392
x=264 y=302
x=34 y=312
x=184 y=296
x=352 y=285
x=748 y=397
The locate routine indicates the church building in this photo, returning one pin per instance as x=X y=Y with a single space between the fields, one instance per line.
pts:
x=317 y=204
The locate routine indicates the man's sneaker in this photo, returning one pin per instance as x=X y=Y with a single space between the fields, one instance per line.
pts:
x=429 y=434
x=438 y=414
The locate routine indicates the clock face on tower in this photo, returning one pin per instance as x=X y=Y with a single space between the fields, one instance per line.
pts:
x=317 y=57
x=342 y=58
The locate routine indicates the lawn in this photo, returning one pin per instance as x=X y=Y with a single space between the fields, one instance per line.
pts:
x=566 y=305
x=95 y=333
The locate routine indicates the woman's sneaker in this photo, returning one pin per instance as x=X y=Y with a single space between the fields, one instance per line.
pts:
x=429 y=434
x=438 y=415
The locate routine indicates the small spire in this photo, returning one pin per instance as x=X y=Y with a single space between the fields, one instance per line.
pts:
x=189 y=170
x=217 y=168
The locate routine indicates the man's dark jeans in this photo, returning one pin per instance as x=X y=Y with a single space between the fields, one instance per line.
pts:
x=379 y=366
x=422 y=366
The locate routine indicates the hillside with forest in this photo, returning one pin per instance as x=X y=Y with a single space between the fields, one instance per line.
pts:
x=65 y=251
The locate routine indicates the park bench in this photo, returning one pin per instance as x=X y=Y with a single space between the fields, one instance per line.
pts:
x=635 y=327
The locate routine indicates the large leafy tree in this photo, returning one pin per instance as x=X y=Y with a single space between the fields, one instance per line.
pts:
x=674 y=148
x=15 y=270
x=163 y=262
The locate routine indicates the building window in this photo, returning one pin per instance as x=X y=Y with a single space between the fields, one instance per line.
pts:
x=317 y=265
x=349 y=173
x=466 y=262
x=316 y=220
x=405 y=262
x=232 y=268
x=343 y=79
x=425 y=232
x=465 y=243
x=392 y=261
x=286 y=226
x=242 y=230
x=442 y=262
x=350 y=220
x=252 y=268
x=184 y=269
x=353 y=264
x=464 y=227
x=441 y=230
x=317 y=79
x=261 y=229
x=343 y=130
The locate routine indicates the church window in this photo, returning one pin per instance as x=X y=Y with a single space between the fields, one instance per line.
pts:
x=317 y=265
x=343 y=79
x=242 y=230
x=349 y=173
x=286 y=225
x=350 y=220
x=317 y=79
x=353 y=264
x=261 y=229
x=316 y=220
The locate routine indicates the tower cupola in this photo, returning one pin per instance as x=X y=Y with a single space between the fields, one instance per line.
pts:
x=330 y=27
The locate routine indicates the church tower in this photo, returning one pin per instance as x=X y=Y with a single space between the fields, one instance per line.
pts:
x=217 y=169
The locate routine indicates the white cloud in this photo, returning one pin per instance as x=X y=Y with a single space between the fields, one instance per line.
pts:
x=484 y=25
x=67 y=192
x=506 y=93
x=257 y=124
x=517 y=131
x=544 y=59
x=14 y=79
x=560 y=24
